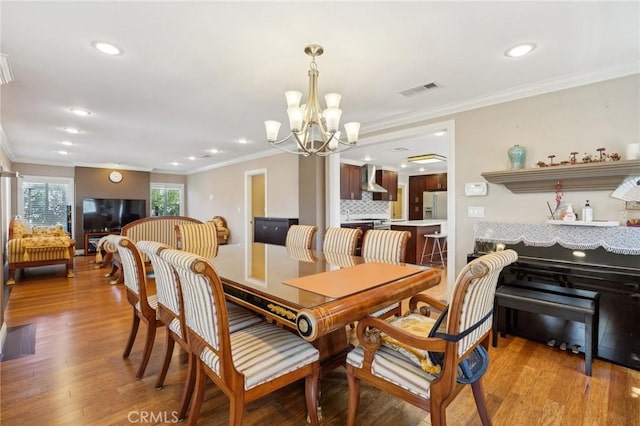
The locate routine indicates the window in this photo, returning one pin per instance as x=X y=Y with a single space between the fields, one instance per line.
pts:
x=46 y=201
x=167 y=199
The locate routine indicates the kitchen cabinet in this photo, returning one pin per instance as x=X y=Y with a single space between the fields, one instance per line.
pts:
x=420 y=184
x=271 y=230
x=350 y=182
x=415 y=244
x=437 y=182
x=389 y=181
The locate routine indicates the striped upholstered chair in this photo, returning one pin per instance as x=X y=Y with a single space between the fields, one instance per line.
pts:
x=246 y=364
x=398 y=356
x=144 y=306
x=301 y=236
x=385 y=246
x=198 y=238
x=170 y=312
x=341 y=240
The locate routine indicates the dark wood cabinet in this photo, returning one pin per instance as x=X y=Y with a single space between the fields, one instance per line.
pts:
x=389 y=181
x=350 y=182
x=271 y=230
x=420 y=184
x=436 y=182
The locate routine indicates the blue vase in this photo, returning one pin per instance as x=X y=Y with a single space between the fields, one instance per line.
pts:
x=517 y=156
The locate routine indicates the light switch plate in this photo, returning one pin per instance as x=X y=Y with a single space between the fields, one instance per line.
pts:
x=475 y=211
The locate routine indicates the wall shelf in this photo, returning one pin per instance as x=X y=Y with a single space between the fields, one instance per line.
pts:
x=577 y=177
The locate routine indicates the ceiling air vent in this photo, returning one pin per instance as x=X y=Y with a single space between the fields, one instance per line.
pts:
x=420 y=89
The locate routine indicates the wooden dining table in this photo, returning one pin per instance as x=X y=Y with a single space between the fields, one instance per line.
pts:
x=313 y=293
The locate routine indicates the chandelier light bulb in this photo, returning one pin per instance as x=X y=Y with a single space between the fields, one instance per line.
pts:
x=273 y=128
x=332 y=119
x=333 y=100
x=352 y=129
x=293 y=98
x=296 y=117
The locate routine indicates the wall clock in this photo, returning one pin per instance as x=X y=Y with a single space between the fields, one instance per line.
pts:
x=115 y=177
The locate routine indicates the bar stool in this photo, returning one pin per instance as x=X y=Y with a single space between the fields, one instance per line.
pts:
x=439 y=246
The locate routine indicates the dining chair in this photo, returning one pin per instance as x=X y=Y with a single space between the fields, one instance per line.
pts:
x=246 y=364
x=385 y=246
x=300 y=236
x=427 y=361
x=170 y=308
x=198 y=238
x=144 y=305
x=341 y=240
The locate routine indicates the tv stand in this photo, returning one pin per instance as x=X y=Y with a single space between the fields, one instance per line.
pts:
x=91 y=240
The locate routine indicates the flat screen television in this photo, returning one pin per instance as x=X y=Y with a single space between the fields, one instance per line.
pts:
x=110 y=214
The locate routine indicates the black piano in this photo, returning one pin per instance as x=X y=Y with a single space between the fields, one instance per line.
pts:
x=615 y=276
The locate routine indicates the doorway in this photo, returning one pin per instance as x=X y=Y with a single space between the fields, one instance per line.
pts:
x=256 y=206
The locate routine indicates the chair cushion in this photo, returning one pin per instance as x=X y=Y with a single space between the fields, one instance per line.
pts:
x=263 y=353
x=418 y=325
x=153 y=303
x=394 y=367
x=240 y=317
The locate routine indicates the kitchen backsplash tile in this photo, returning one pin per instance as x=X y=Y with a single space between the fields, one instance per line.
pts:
x=366 y=206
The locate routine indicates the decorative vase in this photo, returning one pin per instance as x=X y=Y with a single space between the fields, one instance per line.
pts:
x=517 y=155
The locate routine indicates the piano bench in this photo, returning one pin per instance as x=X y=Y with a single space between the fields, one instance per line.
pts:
x=566 y=303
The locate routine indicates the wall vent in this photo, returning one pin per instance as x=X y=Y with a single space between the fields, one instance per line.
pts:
x=420 y=89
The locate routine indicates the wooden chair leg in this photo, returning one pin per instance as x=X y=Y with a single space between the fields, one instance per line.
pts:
x=478 y=395
x=438 y=413
x=354 y=396
x=148 y=347
x=188 y=387
x=167 y=360
x=132 y=334
x=236 y=409
x=196 y=402
x=12 y=276
x=312 y=395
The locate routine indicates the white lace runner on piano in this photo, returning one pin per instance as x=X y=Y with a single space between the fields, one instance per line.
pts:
x=619 y=240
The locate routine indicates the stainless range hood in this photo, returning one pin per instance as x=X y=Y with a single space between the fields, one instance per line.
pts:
x=368 y=177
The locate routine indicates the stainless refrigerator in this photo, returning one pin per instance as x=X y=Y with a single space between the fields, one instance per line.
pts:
x=434 y=205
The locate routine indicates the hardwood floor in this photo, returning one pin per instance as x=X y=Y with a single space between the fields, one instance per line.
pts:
x=78 y=377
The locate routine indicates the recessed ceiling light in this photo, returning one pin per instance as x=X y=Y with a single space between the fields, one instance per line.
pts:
x=62 y=152
x=421 y=169
x=242 y=140
x=175 y=163
x=441 y=133
x=72 y=130
x=213 y=151
x=403 y=165
x=107 y=48
x=80 y=112
x=367 y=158
x=192 y=158
x=520 y=50
x=67 y=143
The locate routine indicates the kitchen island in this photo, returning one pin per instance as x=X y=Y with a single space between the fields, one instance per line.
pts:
x=418 y=229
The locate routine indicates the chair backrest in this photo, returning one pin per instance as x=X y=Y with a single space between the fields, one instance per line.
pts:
x=473 y=296
x=302 y=254
x=300 y=236
x=205 y=311
x=341 y=240
x=135 y=276
x=385 y=245
x=198 y=238
x=167 y=285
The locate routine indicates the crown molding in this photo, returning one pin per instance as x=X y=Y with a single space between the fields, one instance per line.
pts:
x=255 y=156
x=512 y=94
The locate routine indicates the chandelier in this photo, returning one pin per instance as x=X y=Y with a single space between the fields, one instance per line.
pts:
x=314 y=131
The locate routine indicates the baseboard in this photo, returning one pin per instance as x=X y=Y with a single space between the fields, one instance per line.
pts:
x=3 y=336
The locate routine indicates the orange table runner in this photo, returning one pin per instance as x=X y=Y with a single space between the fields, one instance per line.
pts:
x=346 y=281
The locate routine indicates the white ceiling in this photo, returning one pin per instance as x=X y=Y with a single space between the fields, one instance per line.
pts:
x=200 y=75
